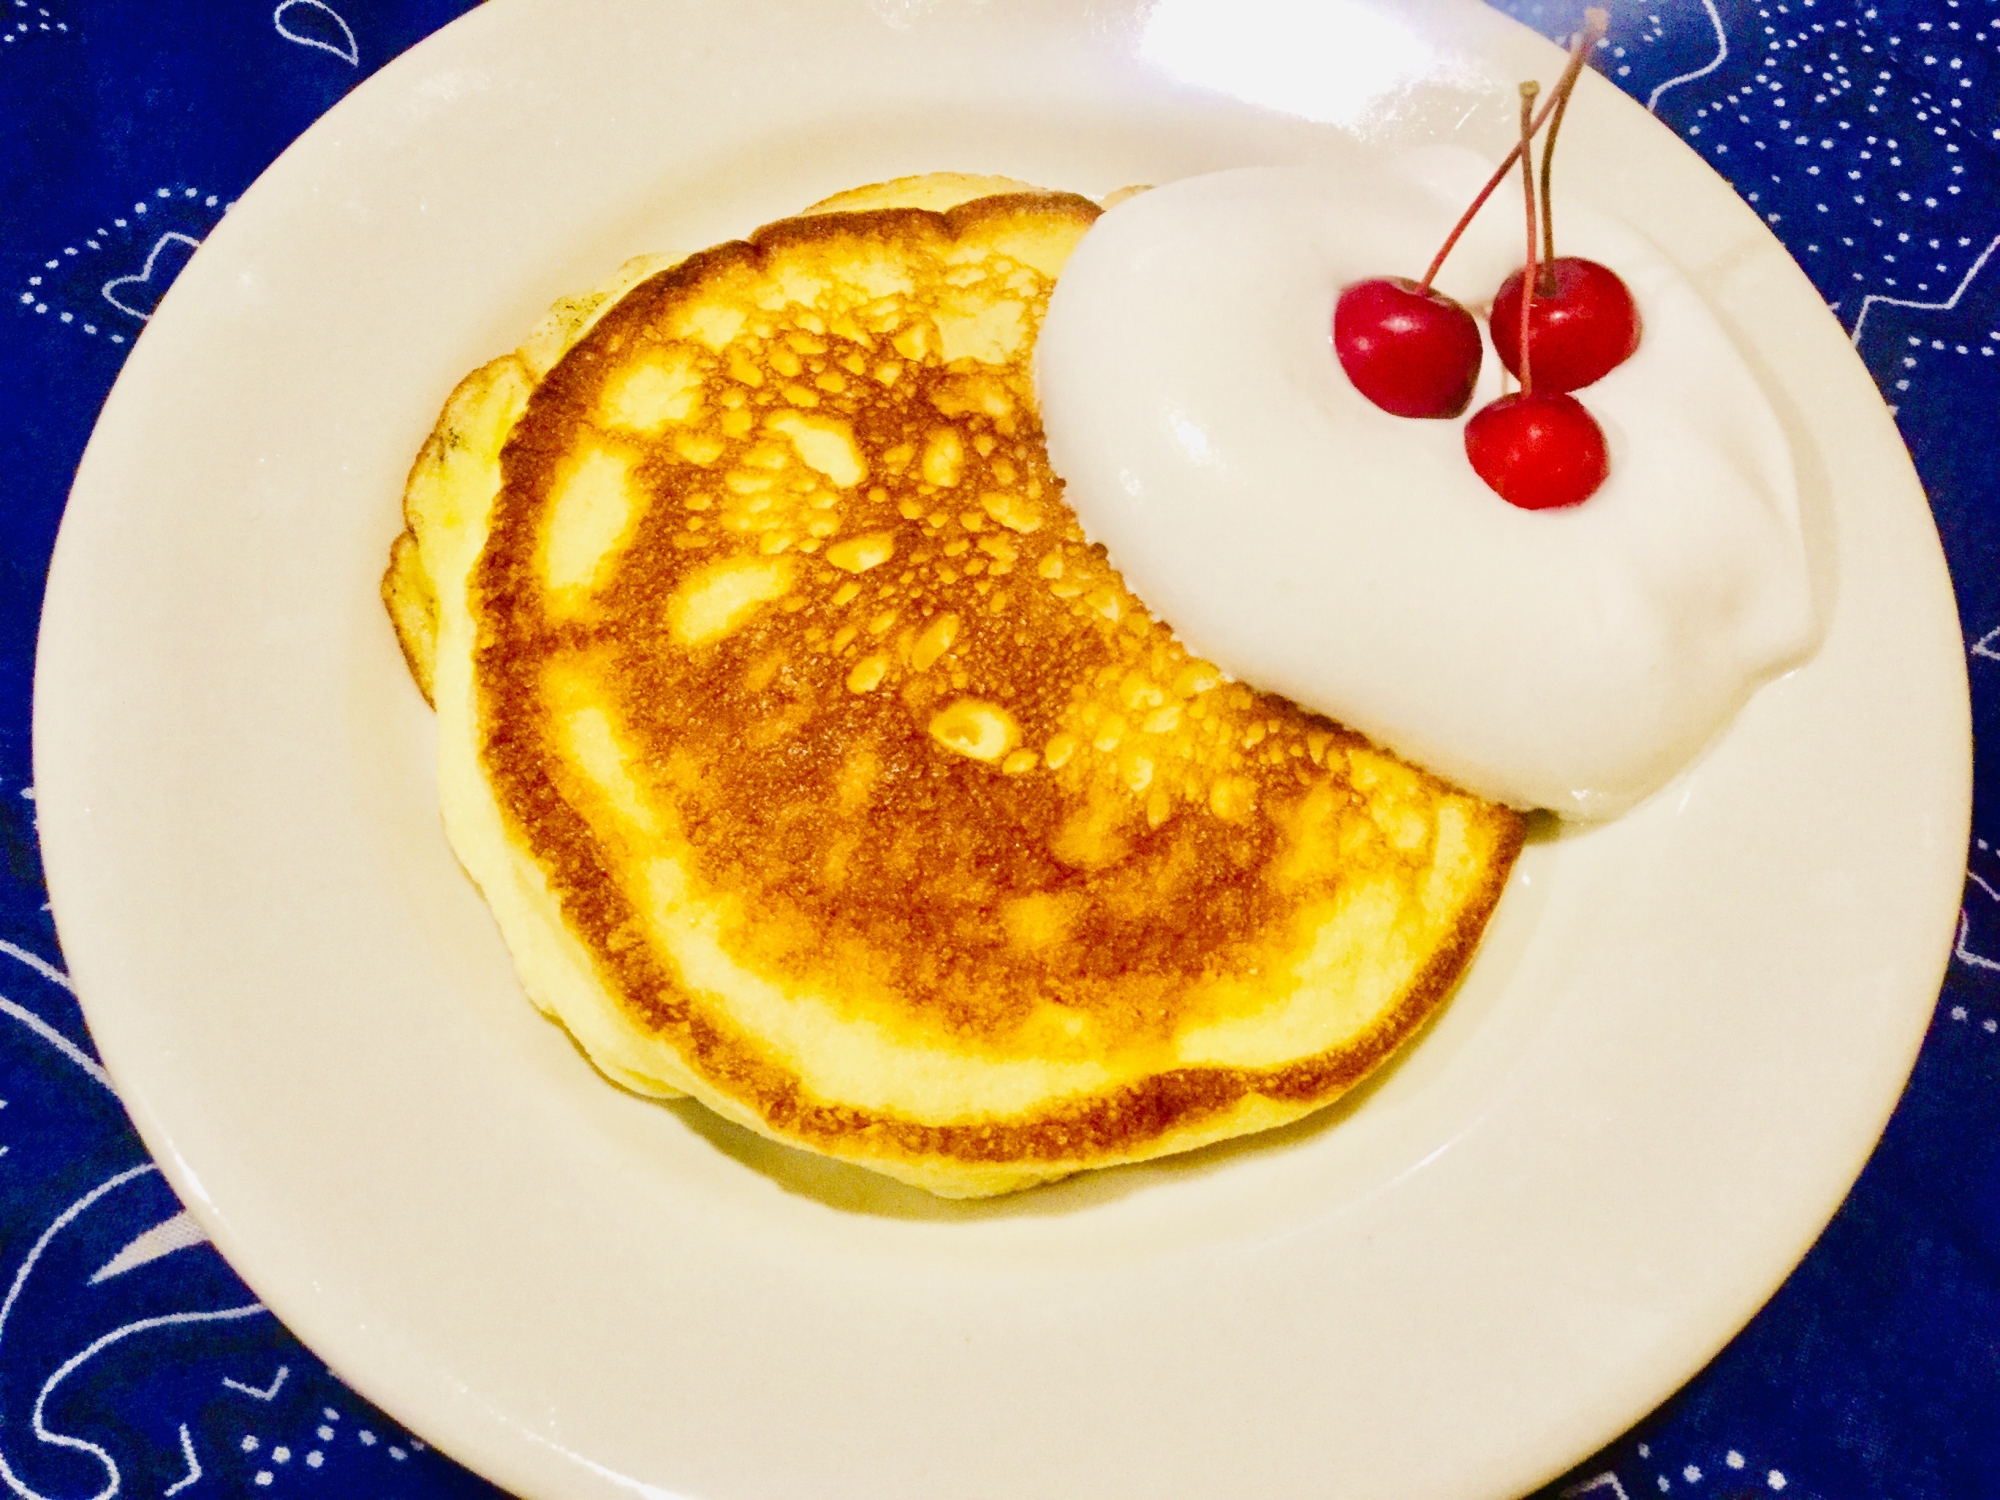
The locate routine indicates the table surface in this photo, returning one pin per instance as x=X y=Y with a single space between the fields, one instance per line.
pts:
x=132 y=1361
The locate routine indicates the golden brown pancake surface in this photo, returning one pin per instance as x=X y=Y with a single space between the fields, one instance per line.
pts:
x=860 y=797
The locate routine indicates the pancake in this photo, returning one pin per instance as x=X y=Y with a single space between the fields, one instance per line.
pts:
x=816 y=765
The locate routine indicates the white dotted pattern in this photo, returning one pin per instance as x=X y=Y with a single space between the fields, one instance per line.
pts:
x=27 y=22
x=274 y=1452
x=1690 y=1473
x=141 y=252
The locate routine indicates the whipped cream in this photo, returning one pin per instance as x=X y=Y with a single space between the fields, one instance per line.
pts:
x=1315 y=546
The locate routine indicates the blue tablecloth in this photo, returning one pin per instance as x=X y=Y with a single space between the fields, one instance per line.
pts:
x=133 y=1362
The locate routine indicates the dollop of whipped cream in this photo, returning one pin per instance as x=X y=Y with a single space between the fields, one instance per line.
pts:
x=1313 y=545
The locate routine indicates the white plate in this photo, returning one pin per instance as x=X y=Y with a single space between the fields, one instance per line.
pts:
x=1672 y=1057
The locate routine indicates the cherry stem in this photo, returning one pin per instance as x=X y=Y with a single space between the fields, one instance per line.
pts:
x=1528 y=92
x=1465 y=220
x=1595 y=22
x=1548 y=284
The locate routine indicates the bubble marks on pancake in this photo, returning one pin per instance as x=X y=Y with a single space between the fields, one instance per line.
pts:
x=779 y=582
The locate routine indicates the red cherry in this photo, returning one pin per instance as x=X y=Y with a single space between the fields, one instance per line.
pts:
x=1583 y=326
x=1412 y=351
x=1538 y=450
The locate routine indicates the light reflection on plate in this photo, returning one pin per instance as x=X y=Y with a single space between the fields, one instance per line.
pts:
x=1333 y=63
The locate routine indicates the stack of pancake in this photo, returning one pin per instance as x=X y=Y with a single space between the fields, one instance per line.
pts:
x=816 y=765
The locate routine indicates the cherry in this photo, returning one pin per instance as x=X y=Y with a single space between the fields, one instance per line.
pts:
x=1582 y=327
x=1411 y=350
x=1538 y=450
